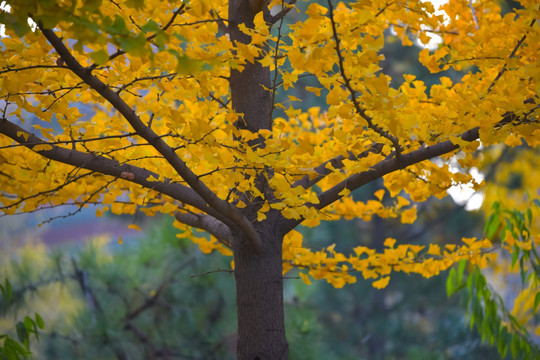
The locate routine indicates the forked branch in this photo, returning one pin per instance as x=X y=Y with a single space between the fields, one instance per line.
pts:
x=105 y=166
x=230 y=214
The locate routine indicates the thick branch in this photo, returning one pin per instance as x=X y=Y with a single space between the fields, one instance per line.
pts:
x=208 y=223
x=337 y=163
x=384 y=167
x=387 y=166
x=227 y=210
x=104 y=166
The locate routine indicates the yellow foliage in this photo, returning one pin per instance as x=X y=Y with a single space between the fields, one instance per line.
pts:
x=175 y=79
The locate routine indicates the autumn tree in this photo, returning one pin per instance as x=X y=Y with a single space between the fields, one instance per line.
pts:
x=186 y=109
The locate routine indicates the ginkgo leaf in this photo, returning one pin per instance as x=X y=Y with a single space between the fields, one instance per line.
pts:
x=381 y=283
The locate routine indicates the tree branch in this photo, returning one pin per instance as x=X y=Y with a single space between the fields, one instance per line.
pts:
x=359 y=110
x=384 y=167
x=208 y=223
x=227 y=210
x=284 y=11
x=104 y=166
x=337 y=163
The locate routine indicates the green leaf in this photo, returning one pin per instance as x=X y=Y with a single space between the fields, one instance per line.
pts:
x=529 y=216
x=461 y=269
x=118 y=26
x=22 y=334
x=133 y=45
x=18 y=24
x=492 y=225
x=515 y=256
x=7 y=292
x=14 y=349
x=39 y=321
x=91 y=6
x=100 y=57
x=151 y=26
x=187 y=65
x=136 y=4
x=450 y=280
x=31 y=326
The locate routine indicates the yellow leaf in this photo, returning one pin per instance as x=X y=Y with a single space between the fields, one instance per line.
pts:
x=509 y=239
x=469 y=241
x=316 y=91
x=344 y=192
x=23 y=134
x=512 y=140
x=401 y=202
x=381 y=283
x=120 y=240
x=305 y=278
x=248 y=52
x=134 y=227
x=261 y=216
x=168 y=208
x=42 y=147
x=379 y=194
x=389 y=242
x=293 y=98
x=434 y=249
x=408 y=216
x=100 y=211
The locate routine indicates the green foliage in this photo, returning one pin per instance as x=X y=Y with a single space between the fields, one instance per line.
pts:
x=163 y=290
x=486 y=308
x=16 y=349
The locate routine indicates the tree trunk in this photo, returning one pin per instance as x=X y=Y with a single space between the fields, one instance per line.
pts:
x=258 y=273
x=259 y=296
x=248 y=93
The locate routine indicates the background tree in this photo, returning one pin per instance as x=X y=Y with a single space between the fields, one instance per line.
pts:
x=183 y=118
x=138 y=301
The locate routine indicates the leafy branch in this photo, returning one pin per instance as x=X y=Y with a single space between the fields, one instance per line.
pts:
x=229 y=214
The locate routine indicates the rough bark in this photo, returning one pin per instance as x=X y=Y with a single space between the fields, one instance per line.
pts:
x=259 y=296
x=258 y=272
x=248 y=95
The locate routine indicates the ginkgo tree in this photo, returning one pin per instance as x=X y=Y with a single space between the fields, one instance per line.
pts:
x=188 y=109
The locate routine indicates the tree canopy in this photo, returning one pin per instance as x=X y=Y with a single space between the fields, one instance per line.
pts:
x=195 y=109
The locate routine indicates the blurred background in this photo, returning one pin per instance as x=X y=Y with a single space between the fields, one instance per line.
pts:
x=106 y=291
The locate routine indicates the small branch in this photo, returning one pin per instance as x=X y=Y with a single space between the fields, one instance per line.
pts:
x=82 y=278
x=151 y=301
x=474 y=15
x=512 y=54
x=229 y=214
x=32 y=68
x=212 y=272
x=284 y=11
x=156 y=77
x=349 y=87
x=425 y=30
